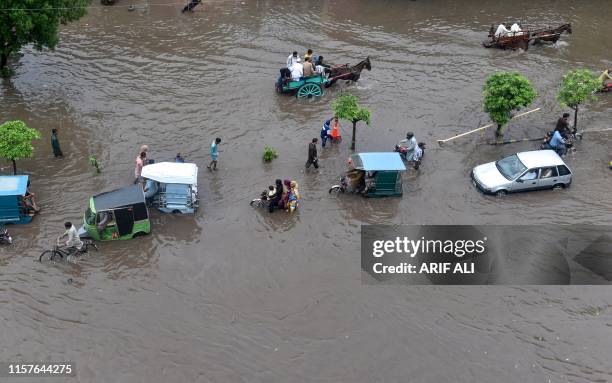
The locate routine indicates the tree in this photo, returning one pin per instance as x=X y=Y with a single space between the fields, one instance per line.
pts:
x=345 y=107
x=16 y=141
x=577 y=87
x=34 y=22
x=504 y=93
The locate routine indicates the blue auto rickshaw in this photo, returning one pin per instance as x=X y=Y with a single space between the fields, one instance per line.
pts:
x=373 y=175
x=13 y=209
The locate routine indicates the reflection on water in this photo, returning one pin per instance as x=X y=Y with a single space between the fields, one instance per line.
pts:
x=234 y=291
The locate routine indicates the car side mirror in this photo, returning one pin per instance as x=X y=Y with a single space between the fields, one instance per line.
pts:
x=520 y=181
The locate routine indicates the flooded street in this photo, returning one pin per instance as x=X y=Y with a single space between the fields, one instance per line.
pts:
x=235 y=294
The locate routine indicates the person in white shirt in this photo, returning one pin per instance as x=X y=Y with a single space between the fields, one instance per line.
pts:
x=73 y=239
x=501 y=31
x=297 y=70
x=292 y=59
x=516 y=29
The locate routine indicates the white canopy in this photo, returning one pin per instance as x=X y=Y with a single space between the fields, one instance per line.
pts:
x=172 y=173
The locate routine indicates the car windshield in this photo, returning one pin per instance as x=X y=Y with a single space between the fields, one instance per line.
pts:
x=510 y=167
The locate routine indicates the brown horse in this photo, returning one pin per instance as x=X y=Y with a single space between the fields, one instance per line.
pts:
x=347 y=72
x=550 y=35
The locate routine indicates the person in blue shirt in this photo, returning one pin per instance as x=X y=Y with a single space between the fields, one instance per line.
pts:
x=557 y=143
x=325 y=131
x=179 y=158
x=214 y=154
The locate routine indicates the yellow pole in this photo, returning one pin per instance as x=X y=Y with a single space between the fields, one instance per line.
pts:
x=483 y=127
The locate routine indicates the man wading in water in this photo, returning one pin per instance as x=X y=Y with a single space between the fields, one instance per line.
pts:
x=55 y=145
x=312 y=154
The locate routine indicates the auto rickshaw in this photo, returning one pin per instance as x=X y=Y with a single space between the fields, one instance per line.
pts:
x=373 y=175
x=116 y=215
x=13 y=208
x=172 y=187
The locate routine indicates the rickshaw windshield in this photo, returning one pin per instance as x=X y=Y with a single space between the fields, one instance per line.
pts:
x=90 y=217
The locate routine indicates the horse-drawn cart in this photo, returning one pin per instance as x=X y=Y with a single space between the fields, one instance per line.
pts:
x=515 y=39
x=313 y=86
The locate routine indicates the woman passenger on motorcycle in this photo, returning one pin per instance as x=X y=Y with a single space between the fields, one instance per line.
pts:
x=276 y=199
x=286 y=192
x=294 y=197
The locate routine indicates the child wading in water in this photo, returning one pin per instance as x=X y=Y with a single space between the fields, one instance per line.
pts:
x=214 y=154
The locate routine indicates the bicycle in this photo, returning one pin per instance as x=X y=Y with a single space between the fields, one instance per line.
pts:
x=63 y=252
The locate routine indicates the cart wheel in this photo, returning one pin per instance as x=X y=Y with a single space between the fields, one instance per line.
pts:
x=309 y=90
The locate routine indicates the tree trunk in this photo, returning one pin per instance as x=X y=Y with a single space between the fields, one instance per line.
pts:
x=3 y=60
x=500 y=131
x=354 y=131
x=576 y=118
x=14 y=167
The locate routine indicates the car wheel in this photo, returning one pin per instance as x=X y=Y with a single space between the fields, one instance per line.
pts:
x=501 y=193
x=559 y=187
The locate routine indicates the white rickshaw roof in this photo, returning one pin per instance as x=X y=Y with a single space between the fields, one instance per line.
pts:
x=172 y=173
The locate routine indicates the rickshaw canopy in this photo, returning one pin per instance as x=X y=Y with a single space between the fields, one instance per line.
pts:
x=379 y=161
x=129 y=195
x=172 y=173
x=13 y=185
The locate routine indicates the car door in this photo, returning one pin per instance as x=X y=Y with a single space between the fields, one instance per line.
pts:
x=549 y=177
x=565 y=175
x=527 y=181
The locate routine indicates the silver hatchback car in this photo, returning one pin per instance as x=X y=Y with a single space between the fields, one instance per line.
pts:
x=538 y=169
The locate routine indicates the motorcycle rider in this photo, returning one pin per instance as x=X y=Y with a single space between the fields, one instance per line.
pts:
x=557 y=143
x=410 y=149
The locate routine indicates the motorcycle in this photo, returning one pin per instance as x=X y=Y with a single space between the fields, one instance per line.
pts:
x=569 y=142
x=5 y=238
x=403 y=152
x=263 y=201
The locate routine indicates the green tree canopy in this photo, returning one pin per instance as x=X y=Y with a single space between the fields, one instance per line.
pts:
x=16 y=141
x=346 y=107
x=577 y=87
x=504 y=93
x=34 y=22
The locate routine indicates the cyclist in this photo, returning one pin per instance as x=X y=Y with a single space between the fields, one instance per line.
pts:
x=73 y=242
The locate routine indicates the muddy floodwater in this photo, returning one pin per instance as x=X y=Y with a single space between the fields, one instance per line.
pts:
x=234 y=294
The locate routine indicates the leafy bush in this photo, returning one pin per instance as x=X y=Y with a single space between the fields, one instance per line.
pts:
x=269 y=154
x=93 y=161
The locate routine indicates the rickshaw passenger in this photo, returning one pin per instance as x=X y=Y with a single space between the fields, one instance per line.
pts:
x=28 y=199
x=284 y=76
x=370 y=180
x=103 y=218
x=308 y=54
x=297 y=71
x=356 y=179
x=501 y=31
x=308 y=69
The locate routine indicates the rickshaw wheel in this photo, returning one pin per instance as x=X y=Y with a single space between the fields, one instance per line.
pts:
x=309 y=90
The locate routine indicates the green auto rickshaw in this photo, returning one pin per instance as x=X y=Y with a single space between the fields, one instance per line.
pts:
x=373 y=175
x=117 y=215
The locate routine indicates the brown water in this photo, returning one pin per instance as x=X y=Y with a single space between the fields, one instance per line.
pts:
x=235 y=294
